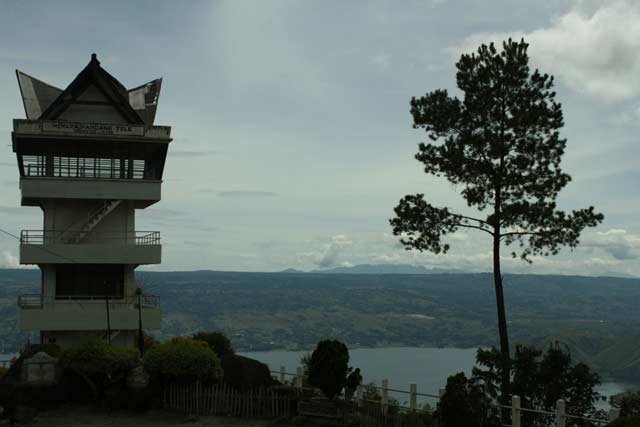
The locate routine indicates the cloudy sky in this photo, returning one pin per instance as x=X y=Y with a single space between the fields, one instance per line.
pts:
x=293 y=138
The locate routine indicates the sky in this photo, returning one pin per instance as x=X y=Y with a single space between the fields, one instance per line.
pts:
x=292 y=134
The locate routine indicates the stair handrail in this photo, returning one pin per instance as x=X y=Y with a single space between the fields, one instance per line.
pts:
x=101 y=206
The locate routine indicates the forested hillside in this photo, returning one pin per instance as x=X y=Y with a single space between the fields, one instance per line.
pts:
x=596 y=317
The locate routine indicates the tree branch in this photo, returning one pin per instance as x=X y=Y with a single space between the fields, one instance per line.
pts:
x=522 y=233
x=469 y=218
x=474 y=226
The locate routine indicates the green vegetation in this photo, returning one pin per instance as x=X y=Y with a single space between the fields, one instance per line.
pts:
x=182 y=359
x=541 y=379
x=629 y=404
x=328 y=367
x=264 y=311
x=501 y=147
x=99 y=363
x=465 y=404
x=217 y=341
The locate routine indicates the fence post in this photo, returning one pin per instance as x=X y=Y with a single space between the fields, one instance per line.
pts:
x=515 y=411
x=299 y=375
x=360 y=395
x=413 y=396
x=385 y=396
x=282 y=374
x=561 y=414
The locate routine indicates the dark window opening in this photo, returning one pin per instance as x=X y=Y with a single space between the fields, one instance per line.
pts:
x=89 y=280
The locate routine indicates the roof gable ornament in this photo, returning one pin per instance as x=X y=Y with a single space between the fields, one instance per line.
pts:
x=93 y=90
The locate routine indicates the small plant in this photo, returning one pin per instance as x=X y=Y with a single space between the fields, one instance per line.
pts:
x=183 y=359
x=99 y=363
x=328 y=367
x=217 y=341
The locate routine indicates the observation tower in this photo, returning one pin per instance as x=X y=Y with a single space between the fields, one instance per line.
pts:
x=89 y=156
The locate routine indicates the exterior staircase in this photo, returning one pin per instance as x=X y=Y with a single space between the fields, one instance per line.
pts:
x=76 y=235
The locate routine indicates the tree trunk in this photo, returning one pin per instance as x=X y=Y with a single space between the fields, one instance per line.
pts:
x=502 y=321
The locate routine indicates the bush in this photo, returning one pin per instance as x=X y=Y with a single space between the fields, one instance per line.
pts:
x=182 y=359
x=464 y=404
x=217 y=342
x=95 y=356
x=148 y=342
x=540 y=379
x=99 y=363
x=244 y=373
x=3 y=371
x=629 y=404
x=625 y=422
x=328 y=367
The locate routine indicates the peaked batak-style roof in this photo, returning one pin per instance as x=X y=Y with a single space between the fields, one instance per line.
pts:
x=45 y=102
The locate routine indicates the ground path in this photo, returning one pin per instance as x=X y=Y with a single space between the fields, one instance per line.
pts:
x=84 y=417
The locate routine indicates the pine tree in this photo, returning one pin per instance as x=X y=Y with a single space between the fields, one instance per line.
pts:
x=501 y=145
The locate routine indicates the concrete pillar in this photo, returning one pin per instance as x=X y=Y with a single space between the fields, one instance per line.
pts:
x=385 y=396
x=360 y=395
x=299 y=376
x=561 y=414
x=413 y=396
x=515 y=411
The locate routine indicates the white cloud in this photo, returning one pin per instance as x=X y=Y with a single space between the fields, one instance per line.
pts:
x=617 y=243
x=591 y=51
x=8 y=260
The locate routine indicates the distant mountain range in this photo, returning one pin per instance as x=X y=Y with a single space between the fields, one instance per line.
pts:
x=381 y=269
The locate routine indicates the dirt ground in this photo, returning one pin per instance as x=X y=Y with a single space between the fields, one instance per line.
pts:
x=83 y=417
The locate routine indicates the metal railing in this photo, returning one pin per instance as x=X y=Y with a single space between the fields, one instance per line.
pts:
x=559 y=417
x=81 y=167
x=38 y=302
x=48 y=237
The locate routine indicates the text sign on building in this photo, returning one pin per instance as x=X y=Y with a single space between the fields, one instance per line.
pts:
x=93 y=128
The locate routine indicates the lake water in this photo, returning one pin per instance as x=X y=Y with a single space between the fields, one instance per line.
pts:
x=427 y=367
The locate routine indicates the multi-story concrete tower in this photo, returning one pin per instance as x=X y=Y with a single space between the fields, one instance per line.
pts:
x=89 y=156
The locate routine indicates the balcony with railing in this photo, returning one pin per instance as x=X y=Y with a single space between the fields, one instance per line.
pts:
x=88 y=167
x=87 y=312
x=79 y=246
x=89 y=178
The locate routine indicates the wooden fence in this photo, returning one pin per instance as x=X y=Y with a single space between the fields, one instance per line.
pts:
x=372 y=414
x=220 y=399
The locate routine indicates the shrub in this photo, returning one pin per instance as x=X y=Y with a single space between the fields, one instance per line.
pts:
x=3 y=371
x=629 y=404
x=99 y=363
x=217 y=342
x=148 y=342
x=541 y=378
x=328 y=367
x=464 y=404
x=182 y=359
x=244 y=373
